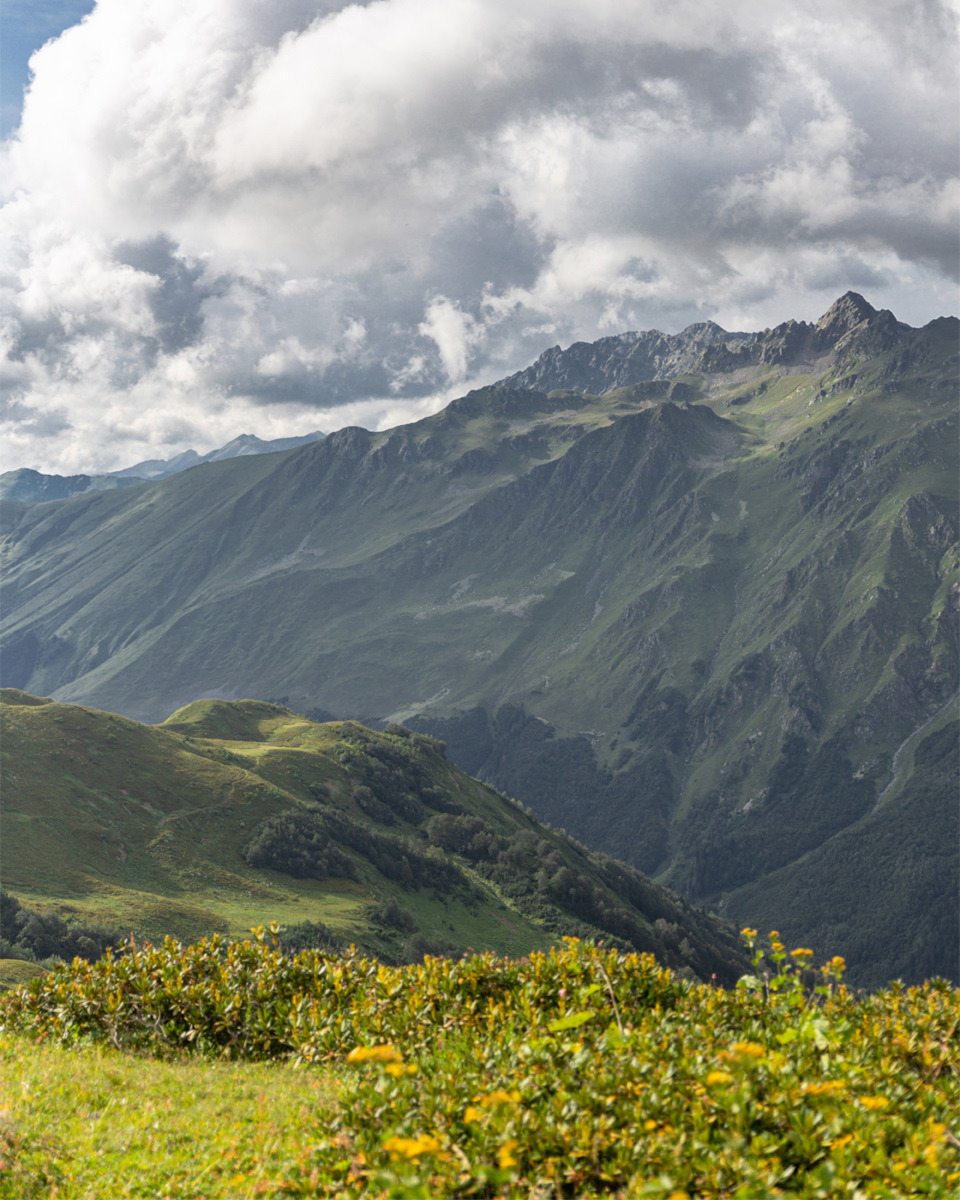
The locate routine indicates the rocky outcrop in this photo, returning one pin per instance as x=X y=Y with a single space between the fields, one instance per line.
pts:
x=624 y=360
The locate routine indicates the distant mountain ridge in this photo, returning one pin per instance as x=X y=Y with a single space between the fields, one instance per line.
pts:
x=708 y=624
x=245 y=444
x=33 y=486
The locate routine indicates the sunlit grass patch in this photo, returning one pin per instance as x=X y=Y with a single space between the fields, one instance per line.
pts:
x=94 y=1122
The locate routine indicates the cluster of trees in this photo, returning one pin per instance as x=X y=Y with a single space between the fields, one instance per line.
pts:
x=394 y=779
x=36 y=937
x=310 y=844
x=300 y=844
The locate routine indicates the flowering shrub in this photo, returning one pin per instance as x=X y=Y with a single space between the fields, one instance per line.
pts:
x=581 y=1072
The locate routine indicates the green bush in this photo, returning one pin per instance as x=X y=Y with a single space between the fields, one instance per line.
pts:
x=582 y=1072
x=299 y=844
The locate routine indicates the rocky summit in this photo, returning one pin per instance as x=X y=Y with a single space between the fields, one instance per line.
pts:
x=627 y=358
x=695 y=603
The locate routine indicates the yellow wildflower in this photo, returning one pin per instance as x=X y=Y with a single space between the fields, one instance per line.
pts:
x=874 y=1101
x=505 y=1154
x=499 y=1097
x=718 y=1077
x=800 y=952
x=385 y=1053
x=824 y=1089
x=472 y=1114
x=749 y=1049
x=404 y=1147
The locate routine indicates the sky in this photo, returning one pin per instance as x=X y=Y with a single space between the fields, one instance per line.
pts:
x=229 y=216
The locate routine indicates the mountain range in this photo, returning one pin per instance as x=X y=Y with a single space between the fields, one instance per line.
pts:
x=706 y=622
x=33 y=486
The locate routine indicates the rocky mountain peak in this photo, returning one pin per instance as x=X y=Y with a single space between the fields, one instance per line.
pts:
x=849 y=325
x=842 y=316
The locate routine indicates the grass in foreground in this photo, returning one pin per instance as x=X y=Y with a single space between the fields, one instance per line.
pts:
x=579 y=1073
x=94 y=1123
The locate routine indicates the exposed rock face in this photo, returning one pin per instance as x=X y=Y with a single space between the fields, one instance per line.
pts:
x=623 y=360
x=631 y=358
x=842 y=316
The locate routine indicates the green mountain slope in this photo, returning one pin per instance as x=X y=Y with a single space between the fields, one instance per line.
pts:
x=701 y=623
x=228 y=816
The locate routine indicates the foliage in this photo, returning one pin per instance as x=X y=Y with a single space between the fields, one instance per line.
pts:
x=583 y=1072
x=299 y=844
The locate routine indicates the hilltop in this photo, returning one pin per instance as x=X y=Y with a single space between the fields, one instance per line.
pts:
x=228 y=816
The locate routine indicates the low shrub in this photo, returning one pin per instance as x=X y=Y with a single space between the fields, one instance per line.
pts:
x=582 y=1072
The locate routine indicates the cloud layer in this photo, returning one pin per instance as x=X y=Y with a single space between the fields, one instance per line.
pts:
x=228 y=216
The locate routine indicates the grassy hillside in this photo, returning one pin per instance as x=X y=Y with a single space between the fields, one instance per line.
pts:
x=703 y=623
x=229 y=815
